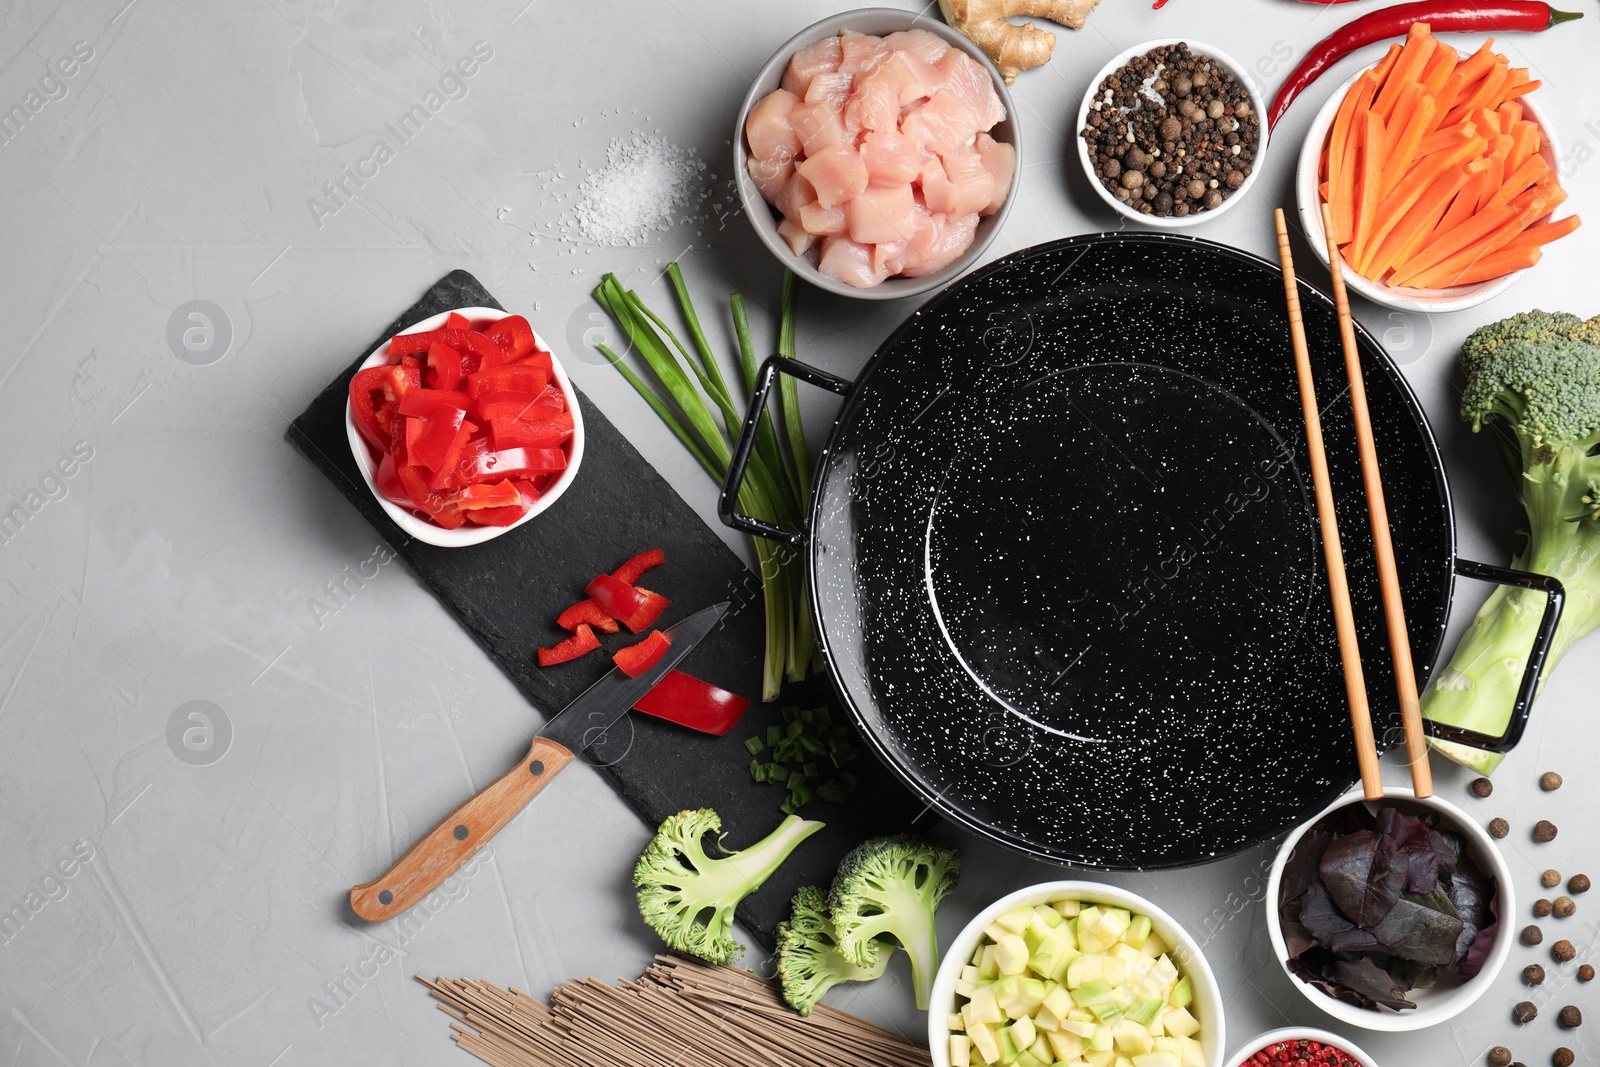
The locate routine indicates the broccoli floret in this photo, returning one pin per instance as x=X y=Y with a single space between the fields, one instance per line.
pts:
x=890 y=886
x=809 y=963
x=688 y=897
x=1534 y=380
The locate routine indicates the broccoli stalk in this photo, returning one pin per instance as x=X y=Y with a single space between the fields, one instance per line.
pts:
x=688 y=896
x=889 y=887
x=1534 y=378
x=809 y=963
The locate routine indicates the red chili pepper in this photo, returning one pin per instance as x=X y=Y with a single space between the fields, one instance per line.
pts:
x=1442 y=16
x=688 y=701
x=635 y=608
x=587 y=611
x=639 y=657
x=630 y=571
x=579 y=644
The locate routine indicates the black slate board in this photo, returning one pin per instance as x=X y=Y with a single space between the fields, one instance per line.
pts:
x=507 y=592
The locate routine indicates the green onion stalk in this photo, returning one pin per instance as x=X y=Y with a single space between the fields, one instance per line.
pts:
x=696 y=404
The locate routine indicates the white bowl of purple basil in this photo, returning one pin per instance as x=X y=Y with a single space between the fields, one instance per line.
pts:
x=1393 y=915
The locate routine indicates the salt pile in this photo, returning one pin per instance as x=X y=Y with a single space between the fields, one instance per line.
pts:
x=645 y=183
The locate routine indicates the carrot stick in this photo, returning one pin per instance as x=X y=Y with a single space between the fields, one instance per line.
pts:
x=1484 y=268
x=1499 y=149
x=1446 y=136
x=1526 y=138
x=1407 y=70
x=1453 y=266
x=1471 y=195
x=1341 y=158
x=1497 y=223
x=1403 y=153
x=1438 y=71
x=1521 y=90
x=1420 y=220
x=1382 y=68
x=1543 y=233
x=1474 y=67
x=1414 y=182
x=1532 y=171
x=1485 y=94
x=1372 y=143
x=1510 y=114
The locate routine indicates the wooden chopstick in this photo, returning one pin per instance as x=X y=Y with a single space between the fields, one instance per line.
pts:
x=1394 y=611
x=1355 y=685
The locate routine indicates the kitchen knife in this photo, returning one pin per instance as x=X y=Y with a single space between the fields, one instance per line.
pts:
x=451 y=843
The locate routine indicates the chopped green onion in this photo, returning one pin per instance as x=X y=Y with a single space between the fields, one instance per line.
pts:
x=753 y=745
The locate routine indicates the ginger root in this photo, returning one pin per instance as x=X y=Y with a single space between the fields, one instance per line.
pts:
x=1014 y=47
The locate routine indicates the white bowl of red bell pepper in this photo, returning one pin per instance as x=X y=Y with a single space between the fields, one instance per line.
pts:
x=464 y=426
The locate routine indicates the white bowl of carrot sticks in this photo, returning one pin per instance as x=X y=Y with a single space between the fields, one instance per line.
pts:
x=1439 y=174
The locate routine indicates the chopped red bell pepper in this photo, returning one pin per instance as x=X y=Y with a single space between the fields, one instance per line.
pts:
x=635 y=608
x=496 y=516
x=440 y=434
x=445 y=367
x=518 y=377
x=538 y=427
x=456 y=321
x=580 y=643
x=507 y=404
x=468 y=342
x=641 y=656
x=440 y=507
x=403 y=377
x=629 y=572
x=511 y=463
x=552 y=398
x=688 y=701
x=587 y=611
x=513 y=335
x=388 y=482
x=447 y=475
x=426 y=402
x=363 y=407
x=481 y=495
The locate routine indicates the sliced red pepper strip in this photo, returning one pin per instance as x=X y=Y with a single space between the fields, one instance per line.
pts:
x=507 y=404
x=467 y=341
x=444 y=367
x=496 y=516
x=688 y=701
x=437 y=506
x=403 y=377
x=635 y=608
x=441 y=433
x=364 y=409
x=587 y=611
x=538 y=427
x=501 y=495
x=456 y=321
x=580 y=643
x=629 y=572
x=388 y=482
x=513 y=335
x=642 y=655
x=447 y=475
x=517 y=377
x=425 y=402
x=654 y=605
x=511 y=463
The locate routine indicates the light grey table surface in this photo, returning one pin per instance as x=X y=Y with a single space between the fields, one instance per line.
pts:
x=204 y=921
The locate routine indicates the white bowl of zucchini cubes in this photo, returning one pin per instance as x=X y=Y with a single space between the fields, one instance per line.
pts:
x=1077 y=973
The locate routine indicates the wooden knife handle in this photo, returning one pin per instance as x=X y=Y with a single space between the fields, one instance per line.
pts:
x=451 y=843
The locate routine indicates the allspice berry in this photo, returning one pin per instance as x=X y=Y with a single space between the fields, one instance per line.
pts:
x=1570 y=1017
x=1532 y=935
x=1500 y=1056
x=1549 y=781
x=1578 y=883
x=1564 y=907
x=1542 y=907
x=1544 y=830
x=1525 y=1012
x=1562 y=951
x=1499 y=828
x=1533 y=974
x=1481 y=787
x=1550 y=879
x=1563 y=1057
x=1586 y=973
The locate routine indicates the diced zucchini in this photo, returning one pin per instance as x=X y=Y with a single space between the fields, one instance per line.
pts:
x=960 y=1051
x=1016 y=920
x=1182 y=994
x=955 y=1021
x=1138 y=931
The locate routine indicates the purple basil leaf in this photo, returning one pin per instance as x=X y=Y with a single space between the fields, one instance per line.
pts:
x=1447 y=848
x=1469 y=894
x=1301 y=868
x=1421 y=927
x=1413 y=840
x=1362 y=877
x=1472 y=962
x=1368 y=980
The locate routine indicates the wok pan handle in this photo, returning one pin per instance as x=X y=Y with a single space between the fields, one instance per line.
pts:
x=728 y=502
x=1555 y=597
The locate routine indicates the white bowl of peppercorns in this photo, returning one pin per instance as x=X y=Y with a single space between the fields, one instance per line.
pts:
x=1300 y=1044
x=1170 y=133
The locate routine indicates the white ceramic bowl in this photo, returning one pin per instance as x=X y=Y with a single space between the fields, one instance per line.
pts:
x=1443 y=1001
x=1258 y=104
x=1185 y=952
x=470 y=534
x=1403 y=298
x=1299 y=1033
x=878 y=21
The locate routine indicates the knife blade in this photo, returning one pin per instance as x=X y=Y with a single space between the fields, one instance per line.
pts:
x=450 y=844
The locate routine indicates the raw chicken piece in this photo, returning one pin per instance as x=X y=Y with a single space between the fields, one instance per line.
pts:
x=770 y=176
x=819 y=58
x=1000 y=160
x=846 y=261
x=918 y=80
x=942 y=123
x=831 y=87
x=891 y=158
x=882 y=215
x=795 y=194
x=875 y=105
x=928 y=47
x=937 y=247
x=767 y=128
x=837 y=173
x=819 y=126
x=971 y=184
x=860 y=54
x=796 y=237
x=966 y=78
x=937 y=192
x=887 y=257
x=824 y=221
